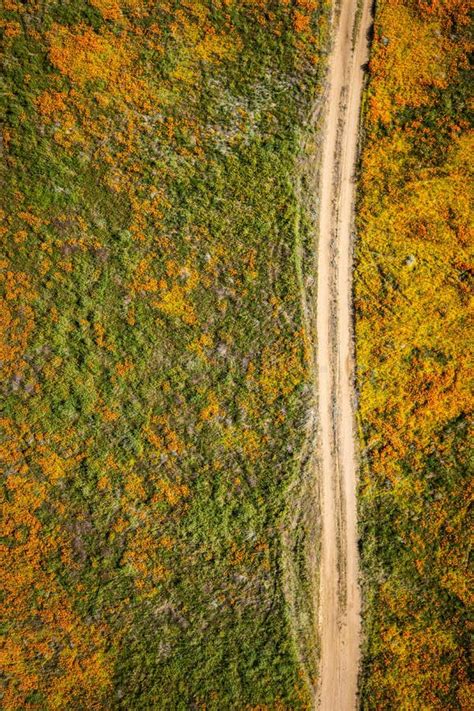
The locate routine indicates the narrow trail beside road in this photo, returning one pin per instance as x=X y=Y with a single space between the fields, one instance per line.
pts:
x=339 y=598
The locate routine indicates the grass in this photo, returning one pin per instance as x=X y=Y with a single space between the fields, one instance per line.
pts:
x=155 y=384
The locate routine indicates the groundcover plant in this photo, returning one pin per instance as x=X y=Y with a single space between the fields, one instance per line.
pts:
x=160 y=432
x=413 y=283
x=155 y=381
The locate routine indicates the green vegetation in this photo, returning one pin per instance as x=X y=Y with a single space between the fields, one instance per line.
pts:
x=413 y=285
x=154 y=370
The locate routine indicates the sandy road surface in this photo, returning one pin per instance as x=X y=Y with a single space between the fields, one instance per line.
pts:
x=339 y=604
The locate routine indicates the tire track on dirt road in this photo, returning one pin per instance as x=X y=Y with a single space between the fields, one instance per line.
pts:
x=339 y=594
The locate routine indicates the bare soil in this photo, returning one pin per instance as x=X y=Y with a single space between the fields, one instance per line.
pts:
x=339 y=594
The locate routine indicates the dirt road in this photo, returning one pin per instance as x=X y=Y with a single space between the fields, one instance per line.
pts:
x=339 y=603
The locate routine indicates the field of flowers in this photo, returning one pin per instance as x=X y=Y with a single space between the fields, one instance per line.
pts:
x=156 y=228
x=413 y=285
x=154 y=371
